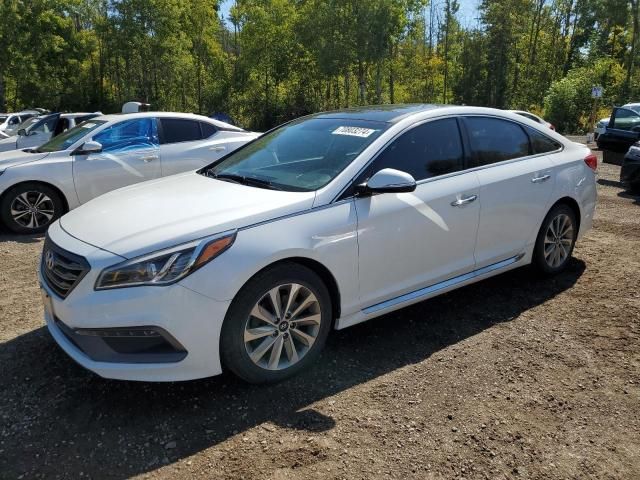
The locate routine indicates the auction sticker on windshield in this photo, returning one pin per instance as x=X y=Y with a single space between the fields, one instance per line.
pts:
x=353 y=131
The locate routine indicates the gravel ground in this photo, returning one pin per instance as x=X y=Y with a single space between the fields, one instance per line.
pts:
x=514 y=377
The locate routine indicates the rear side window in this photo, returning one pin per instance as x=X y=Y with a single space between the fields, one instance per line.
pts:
x=207 y=129
x=180 y=130
x=540 y=143
x=428 y=150
x=494 y=140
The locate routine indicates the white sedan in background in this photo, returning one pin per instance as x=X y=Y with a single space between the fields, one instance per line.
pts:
x=102 y=154
x=43 y=129
x=325 y=222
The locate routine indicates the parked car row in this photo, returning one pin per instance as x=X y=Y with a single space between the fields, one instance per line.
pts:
x=100 y=154
x=249 y=262
x=9 y=122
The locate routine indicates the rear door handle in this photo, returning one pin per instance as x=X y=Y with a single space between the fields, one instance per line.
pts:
x=462 y=201
x=541 y=179
x=149 y=158
x=218 y=149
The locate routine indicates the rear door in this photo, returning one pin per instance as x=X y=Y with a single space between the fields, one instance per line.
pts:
x=516 y=182
x=182 y=148
x=130 y=154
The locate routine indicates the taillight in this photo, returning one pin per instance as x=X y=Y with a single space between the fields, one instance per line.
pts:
x=592 y=161
x=552 y=127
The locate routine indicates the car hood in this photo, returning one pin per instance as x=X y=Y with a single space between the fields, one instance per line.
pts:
x=7 y=144
x=166 y=212
x=18 y=157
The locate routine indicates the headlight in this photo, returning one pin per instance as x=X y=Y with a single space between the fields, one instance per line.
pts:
x=166 y=266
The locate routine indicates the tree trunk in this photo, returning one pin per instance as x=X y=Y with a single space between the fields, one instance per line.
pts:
x=361 y=81
x=632 y=52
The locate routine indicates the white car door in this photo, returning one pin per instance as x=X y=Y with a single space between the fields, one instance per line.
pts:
x=408 y=241
x=130 y=154
x=515 y=185
x=182 y=147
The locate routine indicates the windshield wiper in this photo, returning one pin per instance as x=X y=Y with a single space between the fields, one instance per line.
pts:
x=244 y=180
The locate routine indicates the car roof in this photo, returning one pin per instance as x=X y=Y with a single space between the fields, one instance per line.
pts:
x=79 y=114
x=190 y=116
x=379 y=113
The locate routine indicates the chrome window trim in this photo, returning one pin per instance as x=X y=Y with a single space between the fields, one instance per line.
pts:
x=452 y=174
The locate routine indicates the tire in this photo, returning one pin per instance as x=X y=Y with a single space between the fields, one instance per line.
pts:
x=559 y=248
x=45 y=203
x=268 y=354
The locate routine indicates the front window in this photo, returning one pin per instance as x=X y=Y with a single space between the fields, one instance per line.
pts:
x=68 y=138
x=304 y=155
x=129 y=135
x=44 y=125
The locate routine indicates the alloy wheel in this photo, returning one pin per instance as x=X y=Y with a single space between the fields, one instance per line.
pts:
x=32 y=209
x=558 y=240
x=282 y=326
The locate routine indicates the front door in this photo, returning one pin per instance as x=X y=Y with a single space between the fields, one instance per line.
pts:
x=130 y=154
x=408 y=241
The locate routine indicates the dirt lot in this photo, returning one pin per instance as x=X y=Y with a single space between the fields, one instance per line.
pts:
x=515 y=377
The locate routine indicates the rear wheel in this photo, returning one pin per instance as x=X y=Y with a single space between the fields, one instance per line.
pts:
x=556 y=239
x=30 y=208
x=277 y=324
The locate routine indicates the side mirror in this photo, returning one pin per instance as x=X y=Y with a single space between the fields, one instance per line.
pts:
x=87 y=148
x=388 y=180
x=22 y=132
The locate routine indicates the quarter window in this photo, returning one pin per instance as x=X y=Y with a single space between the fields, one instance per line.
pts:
x=428 y=150
x=494 y=140
x=207 y=129
x=177 y=130
x=540 y=143
x=128 y=136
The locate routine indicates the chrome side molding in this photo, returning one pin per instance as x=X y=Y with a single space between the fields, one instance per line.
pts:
x=442 y=285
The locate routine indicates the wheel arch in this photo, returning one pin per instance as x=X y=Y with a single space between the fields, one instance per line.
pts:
x=63 y=197
x=319 y=269
x=571 y=203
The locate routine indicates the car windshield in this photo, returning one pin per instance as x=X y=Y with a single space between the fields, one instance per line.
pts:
x=27 y=123
x=68 y=138
x=303 y=155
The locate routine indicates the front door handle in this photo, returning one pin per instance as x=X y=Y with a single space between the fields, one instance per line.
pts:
x=541 y=179
x=149 y=158
x=462 y=201
x=218 y=149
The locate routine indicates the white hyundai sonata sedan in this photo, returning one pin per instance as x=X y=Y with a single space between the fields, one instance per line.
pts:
x=322 y=223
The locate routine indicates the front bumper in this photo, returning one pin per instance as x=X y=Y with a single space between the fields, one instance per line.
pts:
x=188 y=323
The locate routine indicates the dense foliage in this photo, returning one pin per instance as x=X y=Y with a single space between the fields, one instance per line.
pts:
x=273 y=60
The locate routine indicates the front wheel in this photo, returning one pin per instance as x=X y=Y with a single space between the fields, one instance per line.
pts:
x=556 y=239
x=30 y=208
x=277 y=324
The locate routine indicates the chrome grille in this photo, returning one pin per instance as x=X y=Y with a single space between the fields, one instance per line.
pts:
x=62 y=270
